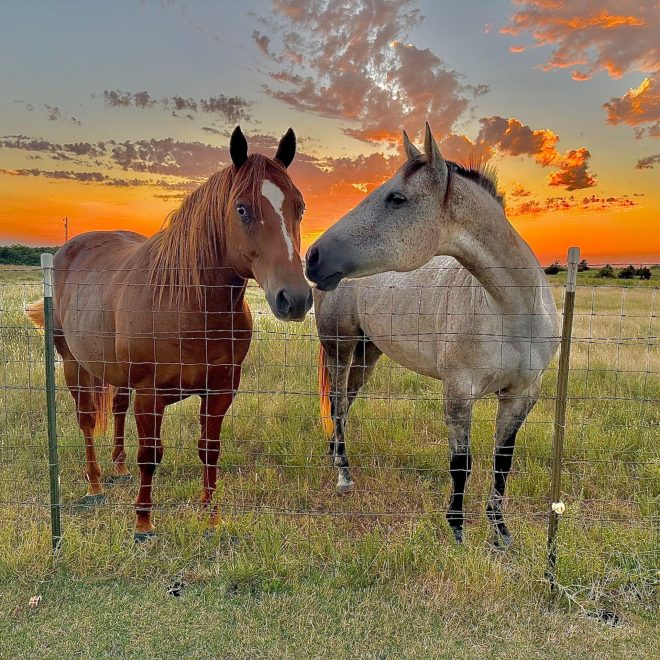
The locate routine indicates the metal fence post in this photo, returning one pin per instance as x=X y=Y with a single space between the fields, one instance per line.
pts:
x=556 y=506
x=53 y=463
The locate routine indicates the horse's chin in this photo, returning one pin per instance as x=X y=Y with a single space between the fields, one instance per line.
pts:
x=331 y=282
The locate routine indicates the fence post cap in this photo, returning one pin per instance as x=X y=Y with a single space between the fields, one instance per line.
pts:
x=573 y=255
x=46 y=260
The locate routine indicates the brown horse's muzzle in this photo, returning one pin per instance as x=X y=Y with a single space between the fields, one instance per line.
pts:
x=290 y=303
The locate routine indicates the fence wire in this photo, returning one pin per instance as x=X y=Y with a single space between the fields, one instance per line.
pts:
x=274 y=462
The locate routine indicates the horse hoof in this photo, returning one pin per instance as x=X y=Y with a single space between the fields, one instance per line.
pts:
x=118 y=479
x=458 y=535
x=345 y=487
x=501 y=541
x=90 y=501
x=143 y=537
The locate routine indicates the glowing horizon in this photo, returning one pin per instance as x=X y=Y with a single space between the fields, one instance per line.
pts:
x=113 y=140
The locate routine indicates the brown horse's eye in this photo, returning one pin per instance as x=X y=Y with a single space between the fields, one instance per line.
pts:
x=243 y=212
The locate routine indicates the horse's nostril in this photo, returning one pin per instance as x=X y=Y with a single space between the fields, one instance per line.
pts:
x=282 y=302
x=313 y=257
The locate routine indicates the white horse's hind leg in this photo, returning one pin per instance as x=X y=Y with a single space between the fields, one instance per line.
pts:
x=339 y=358
x=511 y=413
x=350 y=365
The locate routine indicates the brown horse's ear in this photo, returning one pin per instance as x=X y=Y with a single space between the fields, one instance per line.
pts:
x=433 y=156
x=410 y=149
x=286 y=149
x=238 y=147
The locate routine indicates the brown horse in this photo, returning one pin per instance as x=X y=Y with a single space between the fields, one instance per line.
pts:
x=167 y=317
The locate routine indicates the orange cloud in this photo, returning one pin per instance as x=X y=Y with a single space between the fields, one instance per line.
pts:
x=572 y=173
x=556 y=204
x=637 y=107
x=616 y=36
x=512 y=137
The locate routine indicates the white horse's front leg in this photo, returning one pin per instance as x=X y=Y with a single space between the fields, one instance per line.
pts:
x=458 y=417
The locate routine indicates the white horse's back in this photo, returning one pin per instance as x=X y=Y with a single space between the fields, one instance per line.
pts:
x=439 y=321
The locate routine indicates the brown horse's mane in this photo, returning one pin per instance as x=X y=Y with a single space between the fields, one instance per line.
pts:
x=194 y=239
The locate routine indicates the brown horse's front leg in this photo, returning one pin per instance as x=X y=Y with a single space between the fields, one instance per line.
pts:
x=213 y=409
x=149 y=408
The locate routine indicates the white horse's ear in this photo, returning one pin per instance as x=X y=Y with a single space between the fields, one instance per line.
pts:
x=410 y=149
x=433 y=156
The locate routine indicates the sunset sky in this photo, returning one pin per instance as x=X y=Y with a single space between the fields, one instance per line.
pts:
x=111 y=112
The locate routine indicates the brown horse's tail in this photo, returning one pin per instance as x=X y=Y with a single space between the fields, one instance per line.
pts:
x=102 y=393
x=35 y=312
x=324 y=393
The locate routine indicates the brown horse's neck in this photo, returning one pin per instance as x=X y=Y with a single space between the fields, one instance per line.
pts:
x=191 y=252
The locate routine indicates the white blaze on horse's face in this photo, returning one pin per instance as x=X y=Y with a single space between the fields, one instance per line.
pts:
x=399 y=226
x=276 y=198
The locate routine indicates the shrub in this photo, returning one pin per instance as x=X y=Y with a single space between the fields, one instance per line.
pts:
x=643 y=273
x=553 y=268
x=582 y=266
x=606 y=271
x=627 y=273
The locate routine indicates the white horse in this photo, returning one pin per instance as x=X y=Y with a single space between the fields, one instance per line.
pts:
x=481 y=317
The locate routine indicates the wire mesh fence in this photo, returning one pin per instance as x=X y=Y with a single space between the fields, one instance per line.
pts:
x=275 y=472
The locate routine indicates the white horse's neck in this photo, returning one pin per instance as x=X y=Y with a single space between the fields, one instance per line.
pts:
x=481 y=238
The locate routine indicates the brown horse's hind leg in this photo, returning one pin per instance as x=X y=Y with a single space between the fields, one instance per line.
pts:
x=120 y=403
x=213 y=409
x=149 y=408
x=83 y=386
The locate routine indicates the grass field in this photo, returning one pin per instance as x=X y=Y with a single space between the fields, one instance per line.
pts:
x=295 y=571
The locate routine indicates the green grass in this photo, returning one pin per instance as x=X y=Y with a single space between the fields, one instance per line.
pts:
x=295 y=571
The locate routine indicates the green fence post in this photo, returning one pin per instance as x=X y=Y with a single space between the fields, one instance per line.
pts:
x=53 y=463
x=556 y=506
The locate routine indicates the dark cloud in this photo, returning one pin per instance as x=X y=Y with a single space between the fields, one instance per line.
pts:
x=58 y=151
x=230 y=108
x=85 y=177
x=262 y=42
x=115 y=98
x=180 y=104
x=169 y=156
x=648 y=162
x=53 y=112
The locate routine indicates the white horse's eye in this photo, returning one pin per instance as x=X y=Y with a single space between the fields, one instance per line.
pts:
x=396 y=199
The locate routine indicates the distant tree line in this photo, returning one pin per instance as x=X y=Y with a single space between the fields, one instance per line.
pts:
x=23 y=255
x=627 y=273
